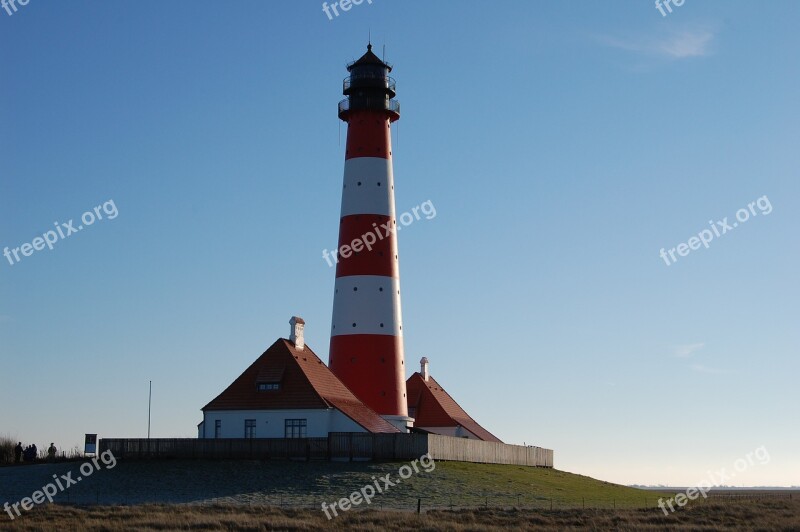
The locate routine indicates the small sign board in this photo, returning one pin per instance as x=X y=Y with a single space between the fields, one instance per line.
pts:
x=90 y=444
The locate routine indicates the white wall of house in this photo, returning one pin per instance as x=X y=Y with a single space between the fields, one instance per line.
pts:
x=456 y=432
x=271 y=423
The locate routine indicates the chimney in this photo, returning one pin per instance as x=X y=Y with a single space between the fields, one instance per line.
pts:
x=423 y=369
x=296 y=334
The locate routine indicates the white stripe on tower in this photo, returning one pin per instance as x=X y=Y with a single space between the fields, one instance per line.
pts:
x=368 y=186
x=360 y=300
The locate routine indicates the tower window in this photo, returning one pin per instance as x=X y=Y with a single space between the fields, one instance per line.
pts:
x=268 y=386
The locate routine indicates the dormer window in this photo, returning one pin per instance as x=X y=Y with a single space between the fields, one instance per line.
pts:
x=268 y=386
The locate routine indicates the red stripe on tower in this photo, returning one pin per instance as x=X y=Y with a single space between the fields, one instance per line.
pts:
x=366 y=350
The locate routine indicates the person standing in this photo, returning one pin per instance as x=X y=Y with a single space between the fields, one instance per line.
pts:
x=18 y=453
x=51 y=452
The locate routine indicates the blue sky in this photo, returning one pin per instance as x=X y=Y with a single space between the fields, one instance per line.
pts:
x=563 y=145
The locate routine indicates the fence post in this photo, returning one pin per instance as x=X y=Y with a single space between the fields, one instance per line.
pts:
x=328 y=451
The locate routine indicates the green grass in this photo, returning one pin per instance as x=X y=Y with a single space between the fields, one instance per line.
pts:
x=461 y=484
x=537 y=486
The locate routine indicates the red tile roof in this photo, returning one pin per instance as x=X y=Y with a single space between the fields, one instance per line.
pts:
x=305 y=382
x=433 y=407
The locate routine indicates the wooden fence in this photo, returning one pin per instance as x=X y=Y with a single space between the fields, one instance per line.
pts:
x=487 y=452
x=351 y=446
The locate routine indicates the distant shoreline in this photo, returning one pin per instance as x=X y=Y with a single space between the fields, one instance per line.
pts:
x=781 y=489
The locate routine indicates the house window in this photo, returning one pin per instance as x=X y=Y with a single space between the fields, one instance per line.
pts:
x=295 y=428
x=218 y=428
x=249 y=428
x=268 y=386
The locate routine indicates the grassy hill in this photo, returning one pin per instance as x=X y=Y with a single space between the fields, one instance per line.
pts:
x=302 y=484
x=280 y=495
x=536 y=487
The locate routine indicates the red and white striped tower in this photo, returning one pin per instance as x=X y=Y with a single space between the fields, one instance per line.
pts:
x=366 y=350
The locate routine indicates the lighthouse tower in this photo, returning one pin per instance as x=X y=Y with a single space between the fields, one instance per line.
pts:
x=366 y=350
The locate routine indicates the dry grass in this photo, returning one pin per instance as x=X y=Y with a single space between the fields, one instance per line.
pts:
x=7 y=450
x=747 y=515
x=7 y=445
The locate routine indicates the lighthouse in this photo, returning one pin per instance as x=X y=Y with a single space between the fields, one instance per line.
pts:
x=366 y=349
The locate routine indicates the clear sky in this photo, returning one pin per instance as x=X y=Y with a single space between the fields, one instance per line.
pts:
x=563 y=145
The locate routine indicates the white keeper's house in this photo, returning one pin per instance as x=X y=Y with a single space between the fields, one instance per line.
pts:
x=288 y=392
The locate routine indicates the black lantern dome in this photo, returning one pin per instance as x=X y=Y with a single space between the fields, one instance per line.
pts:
x=369 y=87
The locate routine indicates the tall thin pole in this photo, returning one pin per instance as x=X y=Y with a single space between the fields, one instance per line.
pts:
x=149 y=403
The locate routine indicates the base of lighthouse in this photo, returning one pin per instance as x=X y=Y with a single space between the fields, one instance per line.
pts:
x=403 y=423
